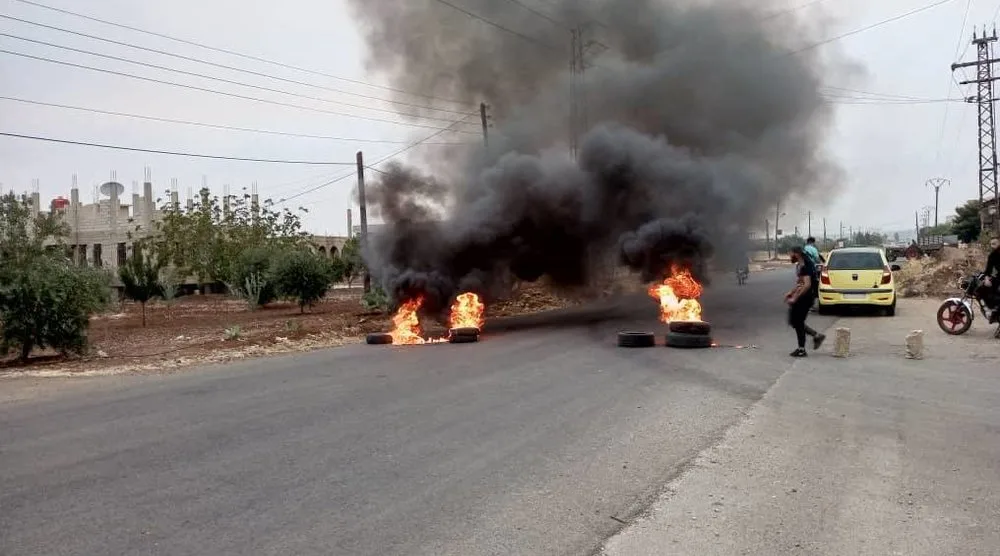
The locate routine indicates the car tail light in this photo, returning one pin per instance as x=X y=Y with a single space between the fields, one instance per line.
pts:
x=886 y=275
x=824 y=277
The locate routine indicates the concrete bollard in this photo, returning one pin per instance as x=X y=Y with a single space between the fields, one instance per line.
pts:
x=842 y=342
x=915 y=345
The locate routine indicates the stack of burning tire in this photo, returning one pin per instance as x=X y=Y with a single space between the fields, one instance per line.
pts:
x=689 y=334
x=465 y=335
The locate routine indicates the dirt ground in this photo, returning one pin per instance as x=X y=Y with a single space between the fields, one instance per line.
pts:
x=215 y=328
x=939 y=275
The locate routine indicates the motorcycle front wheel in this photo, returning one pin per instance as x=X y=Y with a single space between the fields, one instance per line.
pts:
x=954 y=318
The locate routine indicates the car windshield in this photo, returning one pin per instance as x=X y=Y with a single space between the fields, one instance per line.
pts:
x=855 y=261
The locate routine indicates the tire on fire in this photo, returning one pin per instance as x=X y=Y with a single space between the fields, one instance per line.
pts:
x=463 y=335
x=688 y=341
x=379 y=339
x=636 y=339
x=695 y=328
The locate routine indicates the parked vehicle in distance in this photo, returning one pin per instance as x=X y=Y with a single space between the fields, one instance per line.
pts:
x=857 y=276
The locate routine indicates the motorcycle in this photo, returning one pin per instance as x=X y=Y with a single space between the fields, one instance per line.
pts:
x=955 y=315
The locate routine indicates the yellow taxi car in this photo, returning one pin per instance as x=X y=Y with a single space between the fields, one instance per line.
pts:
x=857 y=276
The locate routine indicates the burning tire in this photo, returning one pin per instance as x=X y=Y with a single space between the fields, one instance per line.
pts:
x=463 y=335
x=690 y=327
x=379 y=339
x=636 y=339
x=688 y=341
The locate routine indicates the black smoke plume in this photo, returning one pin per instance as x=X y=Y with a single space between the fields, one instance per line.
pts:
x=697 y=117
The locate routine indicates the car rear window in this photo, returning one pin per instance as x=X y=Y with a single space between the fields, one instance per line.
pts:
x=855 y=261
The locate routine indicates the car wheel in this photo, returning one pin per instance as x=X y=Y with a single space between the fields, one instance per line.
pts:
x=636 y=339
x=823 y=309
x=891 y=310
x=379 y=339
x=688 y=341
x=693 y=327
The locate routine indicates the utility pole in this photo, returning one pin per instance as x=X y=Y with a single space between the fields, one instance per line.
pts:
x=363 y=214
x=916 y=223
x=486 y=125
x=936 y=183
x=841 y=230
x=580 y=47
x=767 y=237
x=809 y=230
x=824 y=230
x=777 y=216
x=987 y=131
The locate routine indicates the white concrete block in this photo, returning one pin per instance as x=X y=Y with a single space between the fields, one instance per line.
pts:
x=915 y=345
x=842 y=342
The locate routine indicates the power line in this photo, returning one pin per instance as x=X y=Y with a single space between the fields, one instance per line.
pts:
x=379 y=161
x=235 y=53
x=223 y=93
x=172 y=153
x=947 y=108
x=220 y=126
x=221 y=79
x=231 y=68
x=494 y=24
x=540 y=14
x=869 y=27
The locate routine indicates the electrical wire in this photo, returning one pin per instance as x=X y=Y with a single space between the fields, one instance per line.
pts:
x=947 y=108
x=872 y=26
x=231 y=68
x=235 y=53
x=540 y=14
x=498 y=26
x=223 y=93
x=220 y=126
x=172 y=153
x=222 y=80
x=379 y=161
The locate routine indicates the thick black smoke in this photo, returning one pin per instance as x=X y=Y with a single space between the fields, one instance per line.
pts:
x=697 y=119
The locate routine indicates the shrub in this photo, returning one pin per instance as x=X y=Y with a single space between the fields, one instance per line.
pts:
x=47 y=303
x=250 y=276
x=140 y=276
x=376 y=300
x=303 y=276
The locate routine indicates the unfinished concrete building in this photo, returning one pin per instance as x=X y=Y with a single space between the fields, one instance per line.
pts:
x=101 y=233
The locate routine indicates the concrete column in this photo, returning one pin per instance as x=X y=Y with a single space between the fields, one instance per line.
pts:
x=148 y=205
x=36 y=203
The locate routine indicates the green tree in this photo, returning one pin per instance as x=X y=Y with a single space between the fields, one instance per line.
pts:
x=140 y=276
x=206 y=239
x=45 y=300
x=353 y=263
x=966 y=224
x=249 y=276
x=303 y=276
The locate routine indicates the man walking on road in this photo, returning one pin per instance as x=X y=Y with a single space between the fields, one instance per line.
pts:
x=800 y=300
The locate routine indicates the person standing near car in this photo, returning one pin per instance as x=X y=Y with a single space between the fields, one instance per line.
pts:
x=800 y=300
x=992 y=281
x=817 y=259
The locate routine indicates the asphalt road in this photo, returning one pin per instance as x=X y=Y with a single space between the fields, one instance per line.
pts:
x=541 y=439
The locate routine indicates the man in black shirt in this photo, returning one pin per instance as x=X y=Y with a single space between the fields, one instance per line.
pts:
x=993 y=276
x=800 y=300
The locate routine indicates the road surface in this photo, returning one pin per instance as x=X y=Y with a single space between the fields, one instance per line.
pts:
x=538 y=440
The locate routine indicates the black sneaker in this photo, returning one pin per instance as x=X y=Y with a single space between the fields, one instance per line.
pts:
x=801 y=352
x=818 y=340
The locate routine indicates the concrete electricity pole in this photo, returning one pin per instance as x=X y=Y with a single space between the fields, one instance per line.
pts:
x=363 y=214
x=987 y=131
x=485 y=119
x=767 y=237
x=936 y=183
x=809 y=230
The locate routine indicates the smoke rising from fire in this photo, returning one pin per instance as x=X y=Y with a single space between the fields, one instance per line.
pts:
x=698 y=119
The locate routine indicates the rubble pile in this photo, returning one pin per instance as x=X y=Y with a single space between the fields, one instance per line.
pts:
x=939 y=275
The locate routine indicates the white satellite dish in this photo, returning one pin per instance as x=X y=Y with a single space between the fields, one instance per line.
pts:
x=107 y=188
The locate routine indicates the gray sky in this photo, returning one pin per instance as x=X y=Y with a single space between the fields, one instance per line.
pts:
x=888 y=147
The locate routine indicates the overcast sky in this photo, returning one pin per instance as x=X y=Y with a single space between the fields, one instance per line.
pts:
x=888 y=145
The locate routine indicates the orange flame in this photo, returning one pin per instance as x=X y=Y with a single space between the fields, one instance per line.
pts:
x=678 y=296
x=467 y=312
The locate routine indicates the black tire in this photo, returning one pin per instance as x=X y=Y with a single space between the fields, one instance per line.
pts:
x=636 y=339
x=691 y=327
x=469 y=331
x=379 y=339
x=463 y=339
x=890 y=311
x=951 y=326
x=688 y=341
x=823 y=309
